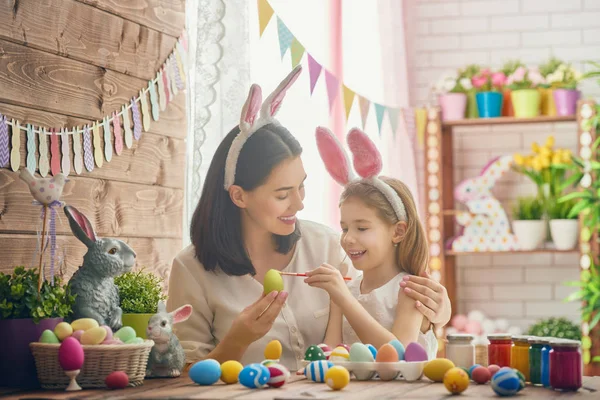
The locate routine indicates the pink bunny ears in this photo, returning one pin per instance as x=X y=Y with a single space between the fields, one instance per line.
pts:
x=366 y=160
x=250 y=124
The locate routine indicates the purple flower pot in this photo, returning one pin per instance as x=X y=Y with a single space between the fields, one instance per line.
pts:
x=17 y=365
x=566 y=101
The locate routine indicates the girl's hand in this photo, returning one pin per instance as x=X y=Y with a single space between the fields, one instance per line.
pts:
x=431 y=297
x=330 y=279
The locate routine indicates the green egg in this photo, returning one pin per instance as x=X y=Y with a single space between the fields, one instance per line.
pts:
x=273 y=281
x=126 y=333
x=48 y=337
x=135 y=340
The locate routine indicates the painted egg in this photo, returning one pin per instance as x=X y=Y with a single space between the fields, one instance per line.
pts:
x=337 y=377
x=521 y=379
x=254 y=376
x=266 y=363
x=399 y=348
x=415 y=352
x=84 y=324
x=344 y=346
x=437 y=368
x=93 y=336
x=279 y=375
x=77 y=334
x=48 y=337
x=205 y=372
x=456 y=380
x=272 y=281
x=70 y=354
x=506 y=383
x=230 y=371
x=316 y=370
x=273 y=350
x=387 y=353
x=314 y=353
x=360 y=353
x=481 y=375
x=109 y=332
x=371 y=348
x=471 y=368
x=63 y=330
x=465 y=369
x=125 y=333
x=493 y=368
x=339 y=354
x=325 y=349
x=117 y=380
x=135 y=340
x=112 y=341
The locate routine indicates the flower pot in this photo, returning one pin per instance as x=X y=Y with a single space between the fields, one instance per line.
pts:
x=139 y=322
x=472 y=105
x=530 y=233
x=17 y=366
x=566 y=101
x=564 y=233
x=489 y=104
x=526 y=103
x=547 y=106
x=453 y=106
x=507 y=106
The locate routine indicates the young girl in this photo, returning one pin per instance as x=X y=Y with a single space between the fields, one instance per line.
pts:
x=382 y=235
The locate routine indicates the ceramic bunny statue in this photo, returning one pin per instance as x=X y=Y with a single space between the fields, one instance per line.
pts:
x=485 y=227
x=166 y=357
x=93 y=283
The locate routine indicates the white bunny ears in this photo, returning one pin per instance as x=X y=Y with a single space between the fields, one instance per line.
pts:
x=248 y=122
x=366 y=160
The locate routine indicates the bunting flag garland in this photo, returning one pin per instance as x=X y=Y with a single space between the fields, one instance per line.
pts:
x=297 y=51
x=127 y=126
x=54 y=153
x=393 y=117
x=43 y=163
x=265 y=12
x=153 y=101
x=380 y=112
x=118 y=134
x=314 y=70
x=333 y=87
x=137 y=120
x=66 y=153
x=348 y=100
x=31 y=161
x=4 y=147
x=88 y=158
x=285 y=37
x=107 y=142
x=364 y=105
x=15 y=155
x=408 y=116
x=77 y=156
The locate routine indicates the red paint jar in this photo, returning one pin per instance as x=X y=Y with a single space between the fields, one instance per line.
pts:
x=499 y=349
x=565 y=365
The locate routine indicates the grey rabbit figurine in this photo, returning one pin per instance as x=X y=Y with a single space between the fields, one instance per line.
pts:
x=93 y=283
x=166 y=357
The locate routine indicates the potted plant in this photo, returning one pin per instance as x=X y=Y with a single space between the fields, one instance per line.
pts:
x=555 y=327
x=139 y=294
x=489 y=99
x=564 y=227
x=508 y=69
x=547 y=106
x=24 y=314
x=451 y=96
x=525 y=97
x=564 y=83
x=528 y=225
x=468 y=73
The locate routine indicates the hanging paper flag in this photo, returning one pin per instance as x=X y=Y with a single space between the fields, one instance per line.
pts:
x=162 y=96
x=107 y=142
x=393 y=116
x=98 y=156
x=182 y=54
x=118 y=133
x=285 y=37
x=173 y=75
x=184 y=40
x=137 y=121
x=54 y=153
x=167 y=83
x=408 y=116
x=180 y=69
x=265 y=12
x=380 y=112
x=421 y=119
x=127 y=127
x=66 y=152
x=333 y=87
x=15 y=155
x=153 y=100
x=4 y=146
x=88 y=157
x=348 y=100
x=31 y=161
x=297 y=51
x=145 y=111
x=43 y=163
x=314 y=70
x=77 y=156
x=364 y=105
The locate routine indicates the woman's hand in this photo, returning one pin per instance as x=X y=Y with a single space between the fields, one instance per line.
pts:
x=330 y=279
x=431 y=297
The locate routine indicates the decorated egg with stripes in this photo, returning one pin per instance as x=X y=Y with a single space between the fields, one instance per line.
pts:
x=325 y=349
x=339 y=354
x=506 y=383
x=279 y=375
x=254 y=376
x=316 y=370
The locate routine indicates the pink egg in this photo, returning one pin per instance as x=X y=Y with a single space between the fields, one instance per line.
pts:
x=415 y=352
x=279 y=375
x=109 y=333
x=473 y=327
x=77 y=335
x=493 y=368
x=112 y=341
x=344 y=346
x=481 y=375
x=70 y=354
x=117 y=380
x=459 y=322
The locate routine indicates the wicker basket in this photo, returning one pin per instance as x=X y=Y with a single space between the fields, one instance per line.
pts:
x=99 y=362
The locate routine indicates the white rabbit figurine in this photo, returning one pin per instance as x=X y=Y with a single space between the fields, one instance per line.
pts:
x=485 y=227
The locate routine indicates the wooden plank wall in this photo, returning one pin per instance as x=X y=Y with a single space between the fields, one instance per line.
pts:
x=64 y=63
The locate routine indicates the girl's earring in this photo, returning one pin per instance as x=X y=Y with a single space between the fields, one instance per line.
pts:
x=395 y=244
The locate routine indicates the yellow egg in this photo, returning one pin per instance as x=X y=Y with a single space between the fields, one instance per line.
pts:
x=63 y=330
x=456 y=380
x=337 y=377
x=84 y=324
x=230 y=371
x=272 y=281
x=273 y=350
x=437 y=368
x=93 y=336
x=339 y=354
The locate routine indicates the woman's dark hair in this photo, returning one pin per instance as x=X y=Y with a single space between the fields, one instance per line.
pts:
x=215 y=230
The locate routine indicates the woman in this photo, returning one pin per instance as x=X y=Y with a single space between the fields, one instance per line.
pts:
x=239 y=233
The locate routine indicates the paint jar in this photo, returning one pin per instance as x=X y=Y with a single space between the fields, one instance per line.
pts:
x=535 y=360
x=565 y=365
x=546 y=361
x=460 y=350
x=519 y=356
x=499 y=349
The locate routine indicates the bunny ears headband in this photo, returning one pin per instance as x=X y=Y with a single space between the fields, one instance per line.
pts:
x=366 y=160
x=248 y=122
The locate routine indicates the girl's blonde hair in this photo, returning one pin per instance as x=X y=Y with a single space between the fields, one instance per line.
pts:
x=413 y=252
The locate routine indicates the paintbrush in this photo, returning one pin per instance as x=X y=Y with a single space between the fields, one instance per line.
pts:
x=346 y=278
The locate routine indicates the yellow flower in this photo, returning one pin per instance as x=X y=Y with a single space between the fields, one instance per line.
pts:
x=545 y=151
x=535 y=147
x=566 y=156
x=550 y=141
x=557 y=158
x=519 y=160
x=536 y=164
x=545 y=162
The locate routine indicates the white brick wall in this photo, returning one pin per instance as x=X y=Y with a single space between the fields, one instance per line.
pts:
x=450 y=34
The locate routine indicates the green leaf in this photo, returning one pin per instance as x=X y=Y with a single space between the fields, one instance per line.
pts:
x=596 y=359
x=570 y=181
x=595 y=321
x=575 y=195
x=577 y=208
x=574 y=296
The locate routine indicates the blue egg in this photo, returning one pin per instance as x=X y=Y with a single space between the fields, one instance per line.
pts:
x=506 y=383
x=399 y=348
x=316 y=370
x=205 y=372
x=372 y=349
x=254 y=376
x=471 y=370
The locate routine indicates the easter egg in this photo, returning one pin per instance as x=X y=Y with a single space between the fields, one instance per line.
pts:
x=371 y=348
x=205 y=372
x=254 y=376
x=399 y=348
x=272 y=281
x=387 y=353
x=117 y=380
x=70 y=354
x=314 y=353
x=506 y=383
x=93 y=336
x=279 y=375
x=77 y=334
x=339 y=354
x=415 y=352
x=325 y=349
x=125 y=333
x=437 y=368
x=521 y=379
x=316 y=370
x=84 y=324
x=266 y=363
x=135 y=340
x=344 y=346
x=360 y=353
x=337 y=377
x=230 y=371
x=273 y=350
x=481 y=375
x=465 y=369
x=493 y=368
x=112 y=341
x=48 y=337
x=63 y=330
x=471 y=368
x=456 y=380
x=109 y=332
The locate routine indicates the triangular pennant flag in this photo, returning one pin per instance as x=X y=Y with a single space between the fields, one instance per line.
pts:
x=364 y=105
x=408 y=115
x=333 y=87
x=285 y=37
x=314 y=70
x=380 y=112
x=348 y=100
x=265 y=12
x=393 y=115
x=421 y=122
x=297 y=51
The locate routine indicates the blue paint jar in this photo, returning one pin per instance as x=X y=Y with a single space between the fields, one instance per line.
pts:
x=546 y=361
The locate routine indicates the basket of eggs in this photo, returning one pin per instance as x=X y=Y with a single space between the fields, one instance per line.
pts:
x=91 y=353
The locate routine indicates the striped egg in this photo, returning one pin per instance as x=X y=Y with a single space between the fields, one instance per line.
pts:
x=325 y=349
x=339 y=354
x=506 y=383
x=316 y=370
x=279 y=375
x=254 y=376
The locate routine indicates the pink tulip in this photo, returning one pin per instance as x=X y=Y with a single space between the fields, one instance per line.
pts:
x=485 y=72
x=498 y=79
x=478 y=81
x=535 y=77
x=519 y=74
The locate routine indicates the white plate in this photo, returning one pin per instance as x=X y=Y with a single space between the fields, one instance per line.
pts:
x=411 y=371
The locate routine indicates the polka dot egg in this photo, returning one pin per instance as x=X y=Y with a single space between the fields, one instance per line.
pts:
x=506 y=383
x=337 y=377
x=339 y=354
x=254 y=376
x=314 y=353
x=316 y=370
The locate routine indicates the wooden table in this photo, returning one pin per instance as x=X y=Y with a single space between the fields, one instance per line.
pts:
x=300 y=388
